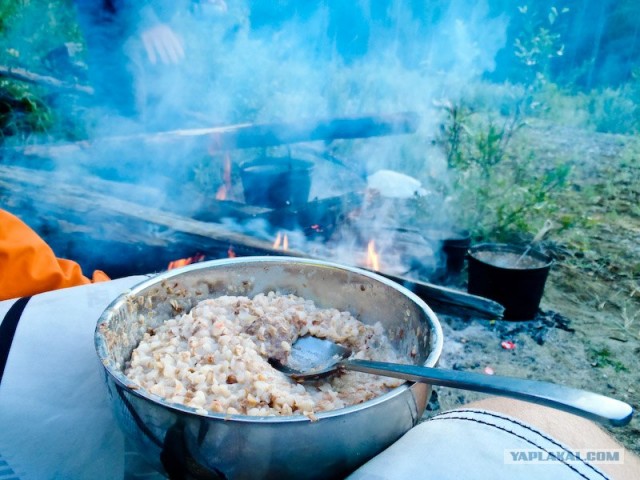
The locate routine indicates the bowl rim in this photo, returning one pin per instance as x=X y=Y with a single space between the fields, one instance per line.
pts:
x=435 y=347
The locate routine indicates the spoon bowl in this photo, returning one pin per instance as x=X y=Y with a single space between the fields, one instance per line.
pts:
x=311 y=358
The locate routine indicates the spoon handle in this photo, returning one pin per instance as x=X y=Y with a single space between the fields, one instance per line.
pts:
x=579 y=402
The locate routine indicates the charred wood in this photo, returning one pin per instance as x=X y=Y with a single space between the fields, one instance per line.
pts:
x=124 y=237
x=250 y=135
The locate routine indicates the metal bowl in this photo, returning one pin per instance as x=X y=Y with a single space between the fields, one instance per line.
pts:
x=182 y=443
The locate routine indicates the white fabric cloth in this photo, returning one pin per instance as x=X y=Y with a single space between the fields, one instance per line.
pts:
x=55 y=421
x=392 y=184
x=474 y=445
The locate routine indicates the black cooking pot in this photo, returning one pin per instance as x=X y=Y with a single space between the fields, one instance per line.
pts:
x=455 y=248
x=512 y=275
x=276 y=182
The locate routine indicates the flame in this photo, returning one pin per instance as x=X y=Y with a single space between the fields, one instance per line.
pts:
x=231 y=253
x=221 y=194
x=281 y=241
x=198 y=257
x=373 y=259
x=223 y=190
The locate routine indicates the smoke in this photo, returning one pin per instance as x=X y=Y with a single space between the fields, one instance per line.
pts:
x=328 y=59
x=294 y=61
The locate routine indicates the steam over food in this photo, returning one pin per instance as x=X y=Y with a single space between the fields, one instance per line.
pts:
x=214 y=358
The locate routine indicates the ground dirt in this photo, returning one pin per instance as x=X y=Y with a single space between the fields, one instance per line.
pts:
x=587 y=333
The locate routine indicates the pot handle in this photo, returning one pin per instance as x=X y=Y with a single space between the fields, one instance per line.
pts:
x=592 y=406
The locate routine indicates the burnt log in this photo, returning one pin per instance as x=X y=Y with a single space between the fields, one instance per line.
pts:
x=284 y=133
x=123 y=237
x=450 y=301
x=242 y=136
x=43 y=192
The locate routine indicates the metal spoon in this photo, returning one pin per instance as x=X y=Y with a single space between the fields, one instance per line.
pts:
x=312 y=358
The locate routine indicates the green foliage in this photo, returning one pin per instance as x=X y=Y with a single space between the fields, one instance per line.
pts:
x=9 y=10
x=22 y=111
x=31 y=29
x=605 y=109
x=510 y=194
x=453 y=133
x=614 y=110
x=539 y=43
x=603 y=357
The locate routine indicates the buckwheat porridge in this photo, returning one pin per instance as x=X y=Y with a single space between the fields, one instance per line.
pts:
x=214 y=358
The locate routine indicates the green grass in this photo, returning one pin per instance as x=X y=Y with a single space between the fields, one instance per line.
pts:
x=603 y=357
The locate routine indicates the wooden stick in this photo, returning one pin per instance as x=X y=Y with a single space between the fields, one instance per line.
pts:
x=248 y=135
x=450 y=301
x=46 y=190
x=43 y=80
x=273 y=134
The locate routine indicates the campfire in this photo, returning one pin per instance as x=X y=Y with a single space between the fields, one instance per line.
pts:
x=198 y=257
x=106 y=215
x=223 y=189
x=373 y=259
x=281 y=242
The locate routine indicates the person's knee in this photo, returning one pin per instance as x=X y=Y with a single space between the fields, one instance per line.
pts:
x=575 y=432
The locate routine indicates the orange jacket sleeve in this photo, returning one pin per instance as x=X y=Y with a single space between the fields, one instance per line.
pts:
x=28 y=265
